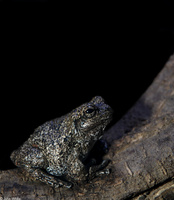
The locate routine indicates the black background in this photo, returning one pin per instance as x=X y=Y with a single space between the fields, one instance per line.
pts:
x=52 y=65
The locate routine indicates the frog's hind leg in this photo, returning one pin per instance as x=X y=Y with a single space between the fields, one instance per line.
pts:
x=28 y=155
x=48 y=179
x=33 y=161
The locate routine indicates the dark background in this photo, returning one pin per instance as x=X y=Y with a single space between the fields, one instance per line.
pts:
x=51 y=66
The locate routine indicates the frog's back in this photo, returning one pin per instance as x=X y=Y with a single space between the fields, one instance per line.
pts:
x=47 y=133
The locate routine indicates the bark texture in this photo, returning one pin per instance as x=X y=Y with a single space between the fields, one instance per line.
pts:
x=142 y=154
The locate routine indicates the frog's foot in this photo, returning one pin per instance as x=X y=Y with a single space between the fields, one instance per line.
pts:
x=98 y=170
x=44 y=177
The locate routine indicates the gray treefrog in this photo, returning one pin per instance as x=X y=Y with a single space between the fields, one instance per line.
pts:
x=57 y=151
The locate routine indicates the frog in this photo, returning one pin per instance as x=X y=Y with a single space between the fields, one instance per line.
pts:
x=56 y=153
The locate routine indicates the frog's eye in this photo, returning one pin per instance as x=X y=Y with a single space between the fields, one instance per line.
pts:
x=90 y=111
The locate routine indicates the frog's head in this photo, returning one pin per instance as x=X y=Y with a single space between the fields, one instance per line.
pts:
x=91 y=118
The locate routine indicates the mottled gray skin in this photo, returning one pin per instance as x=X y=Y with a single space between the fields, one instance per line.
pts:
x=59 y=147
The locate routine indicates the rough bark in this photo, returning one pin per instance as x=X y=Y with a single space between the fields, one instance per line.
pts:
x=142 y=154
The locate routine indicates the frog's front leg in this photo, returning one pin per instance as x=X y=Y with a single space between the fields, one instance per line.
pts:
x=44 y=177
x=98 y=170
